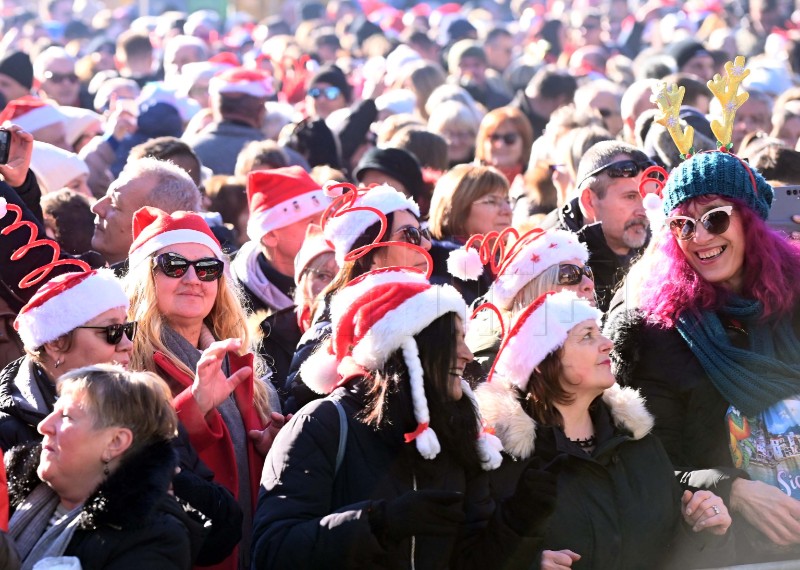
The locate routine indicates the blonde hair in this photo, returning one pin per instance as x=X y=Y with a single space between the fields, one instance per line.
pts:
x=454 y=194
x=422 y=79
x=226 y=320
x=546 y=281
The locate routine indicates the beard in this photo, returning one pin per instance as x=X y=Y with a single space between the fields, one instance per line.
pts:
x=635 y=233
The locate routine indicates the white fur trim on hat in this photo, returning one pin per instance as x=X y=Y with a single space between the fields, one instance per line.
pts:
x=39 y=118
x=537 y=333
x=488 y=445
x=70 y=309
x=346 y=296
x=286 y=213
x=531 y=259
x=171 y=238
x=319 y=371
x=55 y=167
x=343 y=230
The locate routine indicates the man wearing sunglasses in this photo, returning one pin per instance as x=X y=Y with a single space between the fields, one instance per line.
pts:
x=328 y=91
x=54 y=69
x=607 y=213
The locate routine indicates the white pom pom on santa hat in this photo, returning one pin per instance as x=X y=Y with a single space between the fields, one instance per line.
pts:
x=465 y=264
x=652 y=201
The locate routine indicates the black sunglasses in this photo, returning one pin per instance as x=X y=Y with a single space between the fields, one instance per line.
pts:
x=114 y=332
x=176 y=266
x=570 y=274
x=621 y=169
x=507 y=138
x=714 y=221
x=60 y=77
x=330 y=93
x=414 y=235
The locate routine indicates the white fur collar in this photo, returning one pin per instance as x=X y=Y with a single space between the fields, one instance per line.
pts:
x=517 y=431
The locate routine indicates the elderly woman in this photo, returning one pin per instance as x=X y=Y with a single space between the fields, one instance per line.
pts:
x=74 y=320
x=619 y=504
x=712 y=340
x=193 y=334
x=504 y=141
x=341 y=489
x=97 y=487
x=468 y=199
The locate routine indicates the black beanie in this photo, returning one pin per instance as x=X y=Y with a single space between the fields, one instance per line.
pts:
x=332 y=75
x=17 y=65
x=397 y=163
x=685 y=50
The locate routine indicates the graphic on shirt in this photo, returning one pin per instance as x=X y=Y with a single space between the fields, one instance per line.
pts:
x=767 y=446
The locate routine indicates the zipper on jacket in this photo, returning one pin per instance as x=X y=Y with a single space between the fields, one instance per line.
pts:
x=413 y=538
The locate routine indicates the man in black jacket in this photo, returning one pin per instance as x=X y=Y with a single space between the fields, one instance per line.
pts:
x=607 y=213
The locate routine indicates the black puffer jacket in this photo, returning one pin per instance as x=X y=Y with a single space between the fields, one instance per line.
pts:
x=26 y=397
x=129 y=522
x=310 y=516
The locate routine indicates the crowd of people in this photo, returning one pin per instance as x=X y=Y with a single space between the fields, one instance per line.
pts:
x=400 y=285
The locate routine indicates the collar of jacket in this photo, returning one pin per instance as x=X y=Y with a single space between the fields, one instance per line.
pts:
x=501 y=410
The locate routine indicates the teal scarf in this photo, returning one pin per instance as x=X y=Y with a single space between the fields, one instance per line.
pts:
x=755 y=379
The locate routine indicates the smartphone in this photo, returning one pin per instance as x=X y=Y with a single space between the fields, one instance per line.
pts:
x=5 y=145
x=785 y=205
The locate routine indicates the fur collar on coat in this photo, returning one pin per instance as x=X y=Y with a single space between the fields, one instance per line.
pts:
x=501 y=410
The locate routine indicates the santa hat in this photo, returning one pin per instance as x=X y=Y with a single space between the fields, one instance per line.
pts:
x=77 y=122
x=349 y=222
x=31 y=113
x=242 y=81
x=55 y=167
x=280 y=197
x=314 y=245
x=67 y=302
x=540 y=329
x=388 y=308
x=154 y=229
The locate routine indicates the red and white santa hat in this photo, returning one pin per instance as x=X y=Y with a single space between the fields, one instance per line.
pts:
x=540 y=329
x=154 y=229
x=280 y=197
x=31 y=113
x=242 y=81
x=352 y=220
x=67 y=302
x=313 y=246
x=375 y=316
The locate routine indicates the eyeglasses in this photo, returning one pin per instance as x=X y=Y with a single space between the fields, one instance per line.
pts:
x=320 y=275
x=114 y=332
x=494 y=202
x=621 y=169
x=714 y=221
x=60 y=77
x=571 y=274
x=414 y=235
x=176 y=266
x=330 y=93
x=507 y=138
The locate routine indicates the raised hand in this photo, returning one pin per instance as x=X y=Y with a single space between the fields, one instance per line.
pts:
x=19 y=155
x=211 y=387
x=263 y=439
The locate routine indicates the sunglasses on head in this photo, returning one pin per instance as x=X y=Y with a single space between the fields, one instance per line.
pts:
x=176 y=266
x=571 y=274
x=330 y=93
x=414 y=235
x=628 y=168
x=507 y=138
x=114 y=332
x=715 y=221
x=60 y=77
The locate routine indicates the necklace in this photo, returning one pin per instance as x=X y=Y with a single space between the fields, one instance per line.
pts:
x=587 y=443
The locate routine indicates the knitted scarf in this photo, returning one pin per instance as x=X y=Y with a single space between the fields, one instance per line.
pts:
x=755 y=379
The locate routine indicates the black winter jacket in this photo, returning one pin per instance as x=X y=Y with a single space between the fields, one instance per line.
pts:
x=310 y=516
x=20 y=413
x=129 y=522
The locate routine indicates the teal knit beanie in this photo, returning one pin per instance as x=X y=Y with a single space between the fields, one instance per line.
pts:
x=719 y=173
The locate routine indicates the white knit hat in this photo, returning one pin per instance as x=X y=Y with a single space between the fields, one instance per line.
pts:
x=55 y=167
x=67 y=302
x=540 y=329
x=351 y=220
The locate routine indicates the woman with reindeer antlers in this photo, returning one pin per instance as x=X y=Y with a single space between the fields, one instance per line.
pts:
x=714 y=343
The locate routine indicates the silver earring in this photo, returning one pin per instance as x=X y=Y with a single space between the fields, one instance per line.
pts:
x=58 y=362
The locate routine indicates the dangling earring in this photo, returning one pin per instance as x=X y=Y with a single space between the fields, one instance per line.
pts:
x=58 y=362
x=106 y=472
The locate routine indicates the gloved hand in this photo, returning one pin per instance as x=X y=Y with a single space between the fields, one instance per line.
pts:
x=428 y=511
x=528 y=509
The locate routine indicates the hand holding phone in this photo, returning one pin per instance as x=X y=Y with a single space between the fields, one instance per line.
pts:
x=17 y=154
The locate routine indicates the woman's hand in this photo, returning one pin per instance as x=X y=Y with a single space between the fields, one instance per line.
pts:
x=211 y=387
x=19 y=156
x=558 y=559
x=769 y=509
x=262 y=439
x=703 y=510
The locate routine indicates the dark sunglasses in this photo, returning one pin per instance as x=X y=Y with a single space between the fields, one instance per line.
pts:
x=507 y=138
x=176 y=266
x=570 y=274
x=114 y=332
x=621 y=169
x=60 y=77
x=330 y=93
x=414 y=235
x=714 y=221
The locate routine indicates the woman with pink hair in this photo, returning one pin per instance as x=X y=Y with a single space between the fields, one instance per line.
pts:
x=714 y=347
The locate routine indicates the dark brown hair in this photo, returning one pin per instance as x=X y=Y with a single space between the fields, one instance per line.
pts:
x=545 y=390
